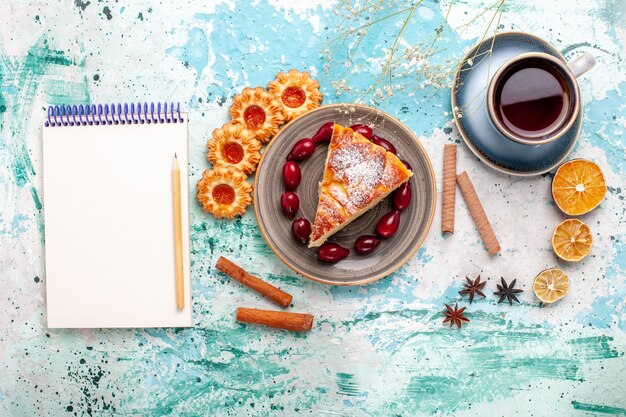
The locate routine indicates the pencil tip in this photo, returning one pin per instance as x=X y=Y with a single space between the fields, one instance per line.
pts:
x=175 y=155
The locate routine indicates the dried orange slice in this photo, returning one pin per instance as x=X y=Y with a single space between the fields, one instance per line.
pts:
x=551 y=285
x=578 y=187
x=572 y=240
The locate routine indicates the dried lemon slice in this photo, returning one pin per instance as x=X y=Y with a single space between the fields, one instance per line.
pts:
x=551 y=285
x=578 y=187
x=572 y=240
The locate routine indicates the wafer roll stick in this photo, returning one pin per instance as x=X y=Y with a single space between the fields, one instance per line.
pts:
x=478 y=213
x=257 y=284
x=449 y=188
x=296 y=322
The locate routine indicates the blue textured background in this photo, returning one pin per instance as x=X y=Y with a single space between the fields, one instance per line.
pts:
x=375 y=350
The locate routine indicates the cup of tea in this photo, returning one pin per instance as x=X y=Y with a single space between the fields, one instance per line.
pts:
x=534 y=98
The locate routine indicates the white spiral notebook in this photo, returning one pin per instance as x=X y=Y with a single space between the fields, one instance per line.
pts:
x=108 y=211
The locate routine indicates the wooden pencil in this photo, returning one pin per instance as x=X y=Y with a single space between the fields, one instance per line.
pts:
x=178 y=236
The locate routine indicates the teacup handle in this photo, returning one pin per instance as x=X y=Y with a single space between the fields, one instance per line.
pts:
x=582 y=64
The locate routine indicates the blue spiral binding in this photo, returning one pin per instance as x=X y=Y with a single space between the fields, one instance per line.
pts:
x=113 y=114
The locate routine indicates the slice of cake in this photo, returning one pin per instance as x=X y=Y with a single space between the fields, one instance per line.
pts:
x=358 y=174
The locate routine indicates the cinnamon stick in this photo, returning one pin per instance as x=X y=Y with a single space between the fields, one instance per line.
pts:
x=257 y=284
x=449 y=188
x=296 y=322
x=478 y=213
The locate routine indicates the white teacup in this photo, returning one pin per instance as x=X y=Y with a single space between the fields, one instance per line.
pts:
x=534 y=97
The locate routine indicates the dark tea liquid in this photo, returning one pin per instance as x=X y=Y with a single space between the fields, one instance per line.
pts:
x=531 y=99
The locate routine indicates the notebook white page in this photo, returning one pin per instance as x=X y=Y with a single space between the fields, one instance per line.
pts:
x=109 y=228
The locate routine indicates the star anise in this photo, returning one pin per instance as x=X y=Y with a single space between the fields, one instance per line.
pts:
x=455 y=316
x=507 y=291
x=473 y=287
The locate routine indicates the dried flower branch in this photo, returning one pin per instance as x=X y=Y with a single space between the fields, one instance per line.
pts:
x=408 y=64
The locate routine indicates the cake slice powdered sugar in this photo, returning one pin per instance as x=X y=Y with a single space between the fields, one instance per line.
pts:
x=357 y=176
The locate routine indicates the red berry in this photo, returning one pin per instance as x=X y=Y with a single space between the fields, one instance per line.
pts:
x=387 y=226
x=291 y=175
x=301 y=150
x=366 y=244
x=407 y=165
x=332 y=252
x=324 y=133
x=384 y=143
x=301 y=230
x=290 y=204
x=364 y=130
x=402 y=196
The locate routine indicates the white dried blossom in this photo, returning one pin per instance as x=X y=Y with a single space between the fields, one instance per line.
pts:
x=412 y=67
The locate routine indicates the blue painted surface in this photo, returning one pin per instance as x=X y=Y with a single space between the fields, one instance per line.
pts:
x=378 y=350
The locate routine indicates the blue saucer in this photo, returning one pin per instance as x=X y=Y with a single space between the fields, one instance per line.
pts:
x=469 y=95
